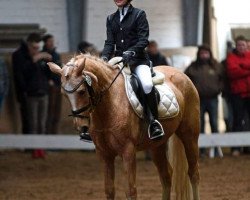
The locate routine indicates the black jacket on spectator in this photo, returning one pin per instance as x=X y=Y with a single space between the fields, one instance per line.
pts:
x=157 y=59
x=131 y=34
x=31 y=78
x=57 y=60
x=226 y=91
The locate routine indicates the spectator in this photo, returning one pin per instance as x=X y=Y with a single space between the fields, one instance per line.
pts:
x=247 y=116
x=248 y=45
x=207 y=75
x=4 y=81
x=55 y=98
x=154 y=54
x=86 y=47
x=226 y=93
x=238 y=69
x=31 y=81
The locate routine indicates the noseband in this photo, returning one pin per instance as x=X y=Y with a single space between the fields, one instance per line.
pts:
x=92 y=97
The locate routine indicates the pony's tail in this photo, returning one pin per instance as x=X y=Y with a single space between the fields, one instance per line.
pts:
x=181 y=186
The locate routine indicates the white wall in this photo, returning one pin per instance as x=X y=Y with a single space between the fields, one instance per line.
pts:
x=164 y=16
x=165 y=20
x=50 y=14
x=235 y=13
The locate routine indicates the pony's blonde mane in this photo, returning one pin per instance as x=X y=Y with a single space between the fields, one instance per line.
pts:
x=98 y=63
x=104 y=71
x=95 y=59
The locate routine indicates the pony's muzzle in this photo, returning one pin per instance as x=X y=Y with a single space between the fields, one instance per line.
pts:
x=81 y=124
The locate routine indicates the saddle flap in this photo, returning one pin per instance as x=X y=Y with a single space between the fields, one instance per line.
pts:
x=168 y=106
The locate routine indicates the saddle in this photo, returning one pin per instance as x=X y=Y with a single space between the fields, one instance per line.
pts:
x=168 y=106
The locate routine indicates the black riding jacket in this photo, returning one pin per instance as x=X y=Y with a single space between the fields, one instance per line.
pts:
x=131 y=34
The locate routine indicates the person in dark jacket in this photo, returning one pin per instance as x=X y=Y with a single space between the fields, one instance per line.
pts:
x=31 y=82
x=154 y=54
x=127 y=36
x=86 y=47
x=207 y=75
x=55 y=98
x=4 y=81
x=226 y=93
x=238 y=70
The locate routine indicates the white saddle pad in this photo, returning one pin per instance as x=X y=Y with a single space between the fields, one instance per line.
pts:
x=168 y=106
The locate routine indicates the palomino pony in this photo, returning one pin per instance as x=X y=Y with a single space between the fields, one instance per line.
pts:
x=117 y=131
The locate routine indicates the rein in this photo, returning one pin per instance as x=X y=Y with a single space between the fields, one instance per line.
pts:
x=120 y=71
x=92 y=95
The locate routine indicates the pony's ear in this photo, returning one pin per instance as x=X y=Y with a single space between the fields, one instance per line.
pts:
x=80 y=66
x=55 y=68
x=92 y=76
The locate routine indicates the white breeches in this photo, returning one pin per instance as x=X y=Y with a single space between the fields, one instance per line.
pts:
x=144 y=74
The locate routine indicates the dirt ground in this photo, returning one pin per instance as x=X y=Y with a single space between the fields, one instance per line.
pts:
x=77 y=175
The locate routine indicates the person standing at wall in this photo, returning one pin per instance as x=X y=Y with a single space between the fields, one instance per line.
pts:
x=154 y=54
x=86 y=47
x=207 y=75
x=248 y=45
x=4 y=81
x=31 y=82
x=226 y=92
x=238 y=70
x=55 y=98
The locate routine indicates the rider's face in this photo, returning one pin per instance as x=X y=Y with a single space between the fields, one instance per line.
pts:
x=120 y=3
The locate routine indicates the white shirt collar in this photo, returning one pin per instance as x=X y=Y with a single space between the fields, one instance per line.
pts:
x=125 y=12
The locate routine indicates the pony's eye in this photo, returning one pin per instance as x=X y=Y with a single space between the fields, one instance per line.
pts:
x=81 y=92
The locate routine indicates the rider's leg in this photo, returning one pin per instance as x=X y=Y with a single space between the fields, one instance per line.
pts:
x=144 y=74
x=151 y=108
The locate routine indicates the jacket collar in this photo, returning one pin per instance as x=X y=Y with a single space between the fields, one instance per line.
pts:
x=117 y=14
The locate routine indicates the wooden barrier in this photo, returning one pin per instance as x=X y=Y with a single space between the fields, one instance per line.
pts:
x=14 y=141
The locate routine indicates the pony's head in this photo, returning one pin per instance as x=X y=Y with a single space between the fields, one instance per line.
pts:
x=79 y=86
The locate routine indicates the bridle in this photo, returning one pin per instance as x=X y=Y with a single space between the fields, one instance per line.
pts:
x=94 y=98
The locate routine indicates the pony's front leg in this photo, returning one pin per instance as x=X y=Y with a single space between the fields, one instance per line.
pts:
x=129 y=163
x=109 y=176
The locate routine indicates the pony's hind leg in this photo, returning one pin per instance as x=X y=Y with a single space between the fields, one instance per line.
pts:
x=164 y=169
x=189 y=137
x=192 y=154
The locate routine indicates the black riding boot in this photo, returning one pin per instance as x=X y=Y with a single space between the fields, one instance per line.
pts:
x=85 y=137
x=155 y=130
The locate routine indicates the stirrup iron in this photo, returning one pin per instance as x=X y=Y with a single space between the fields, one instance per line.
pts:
x=156 y=136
